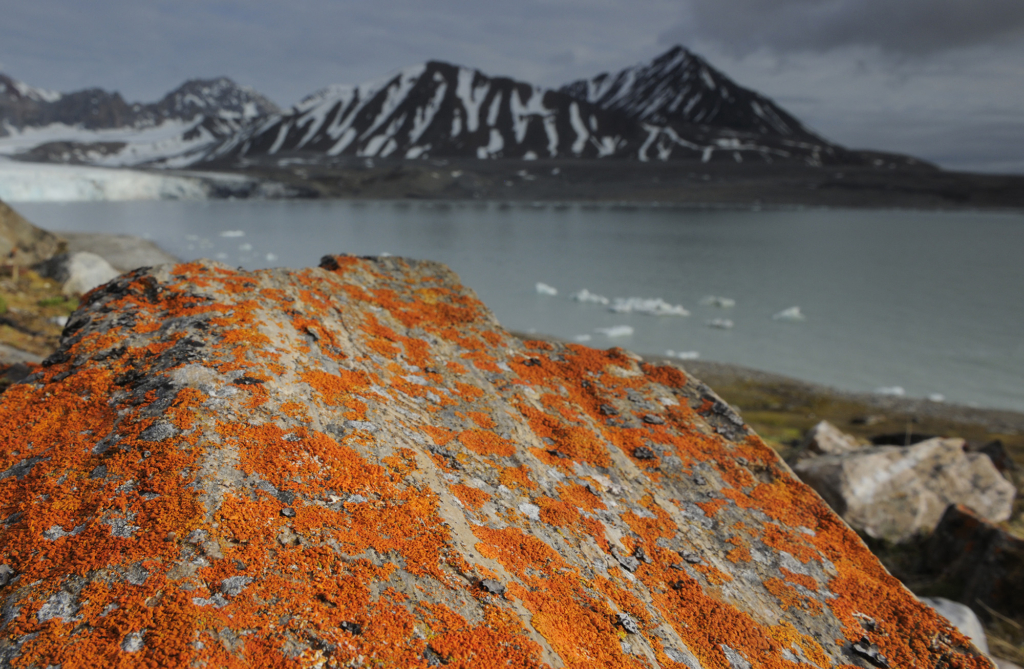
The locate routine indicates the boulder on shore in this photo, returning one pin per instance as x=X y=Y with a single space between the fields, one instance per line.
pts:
x=78 y=273
x=355 y=465
x=22 y=243
x=982 y=563
x=896 y=493
x=826 y=439
x=123 y=252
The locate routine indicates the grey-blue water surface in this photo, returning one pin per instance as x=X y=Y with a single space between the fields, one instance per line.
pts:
x=927 y=301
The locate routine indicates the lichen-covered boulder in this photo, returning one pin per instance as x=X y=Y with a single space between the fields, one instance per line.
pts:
x=355 y=466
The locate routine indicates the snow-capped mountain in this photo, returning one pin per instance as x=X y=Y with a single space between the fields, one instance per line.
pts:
x=98 y=127
x=676 y=107
x=679 y=87
x=439 y=109
x=443 y=110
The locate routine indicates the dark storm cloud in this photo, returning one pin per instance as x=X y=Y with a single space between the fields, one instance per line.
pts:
x=908 y=27
x=290 y=48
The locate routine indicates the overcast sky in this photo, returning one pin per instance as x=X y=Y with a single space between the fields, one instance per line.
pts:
x=940 y=79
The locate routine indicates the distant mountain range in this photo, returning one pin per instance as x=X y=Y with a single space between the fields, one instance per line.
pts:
x=675 y=107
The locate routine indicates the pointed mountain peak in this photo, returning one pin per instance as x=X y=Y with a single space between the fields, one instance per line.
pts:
x=679 y=87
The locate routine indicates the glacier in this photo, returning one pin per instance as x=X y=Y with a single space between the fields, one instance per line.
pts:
x=37 y=182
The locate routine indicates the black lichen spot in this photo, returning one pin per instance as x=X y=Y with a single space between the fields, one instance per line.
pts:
x=643 y=453
x=351 y=628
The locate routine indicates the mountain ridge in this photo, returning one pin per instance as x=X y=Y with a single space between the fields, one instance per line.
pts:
x=674 y=107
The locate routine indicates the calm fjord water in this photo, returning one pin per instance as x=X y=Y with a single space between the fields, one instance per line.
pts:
x=927 y=301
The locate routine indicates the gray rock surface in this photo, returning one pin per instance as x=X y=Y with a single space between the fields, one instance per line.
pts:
x=962 y=618
x=9 y=355
x=123 y=252
x=895 y=493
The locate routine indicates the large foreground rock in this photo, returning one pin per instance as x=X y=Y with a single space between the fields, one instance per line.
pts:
x=895 y=493
x=355 y=466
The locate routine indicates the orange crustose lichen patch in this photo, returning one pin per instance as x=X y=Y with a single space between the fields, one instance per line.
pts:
x=471 y=497
x=486 y=443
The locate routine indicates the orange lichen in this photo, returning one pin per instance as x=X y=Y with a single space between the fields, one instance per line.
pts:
x=486 y=443
x=789 y=597
x=482 y=420
x=711 y=507
x=799 y=579
x=516 y=477
x=557 y=513
x=470 y=497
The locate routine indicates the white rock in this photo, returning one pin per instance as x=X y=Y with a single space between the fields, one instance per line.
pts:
x=78 y=273
x=893 y=492
x=826 y=439
x=960 y=617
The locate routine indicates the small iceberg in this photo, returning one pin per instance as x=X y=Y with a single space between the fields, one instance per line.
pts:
x=791 y=314
x=582 y=338
x=545 y=289
x=721 y=323
x=616 y=331
x=653 y=306
x=722 y=302
x=587 y=296
x=233 y=233
x=936 y=397
x=891 y=391
x=682 y=355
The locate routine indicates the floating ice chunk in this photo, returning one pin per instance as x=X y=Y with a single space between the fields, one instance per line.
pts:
x=936 y=397
x=545 y=289
x=222 y=256
x=271 y=257
x=616 y=331
x=892 y=391
x=791 y=314
x=245 y=247
x=233 y=233
x=682 y=355
x=582 y=338
x=587 y=296
x=654 y=306
x=721 y=323
x=723 y=302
